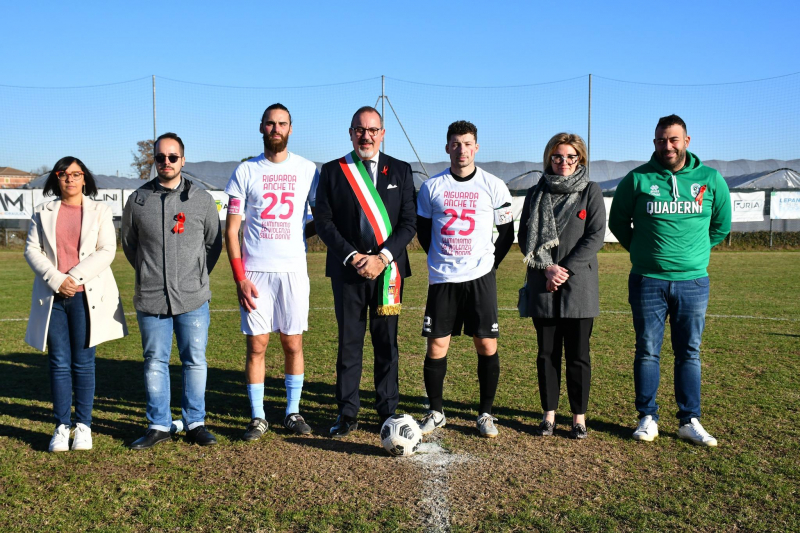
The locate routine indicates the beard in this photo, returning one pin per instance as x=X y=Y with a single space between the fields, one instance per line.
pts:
x=680 y=160
x=276 y=145
x=366 y=151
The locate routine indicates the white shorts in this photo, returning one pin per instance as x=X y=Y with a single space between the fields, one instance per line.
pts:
x=282 y=303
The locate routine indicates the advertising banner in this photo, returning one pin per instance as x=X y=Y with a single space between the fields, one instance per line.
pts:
x=747 y=206
x=39 y=198
x=222 y=203
x=785 y=205
x=609 y=236
x=112 y=198
x=16 y=203
x=126 y=193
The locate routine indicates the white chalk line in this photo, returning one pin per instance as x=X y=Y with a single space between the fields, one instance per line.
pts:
x=435 y=462
x=740 y=317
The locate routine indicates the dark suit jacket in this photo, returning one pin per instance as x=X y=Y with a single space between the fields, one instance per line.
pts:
x=337 y=216
x=579 y=243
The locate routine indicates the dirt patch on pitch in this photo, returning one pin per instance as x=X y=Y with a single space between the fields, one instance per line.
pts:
x=518 y=472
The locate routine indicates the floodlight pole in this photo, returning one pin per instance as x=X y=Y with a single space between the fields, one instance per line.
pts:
x=383 y=110
x=154 y=108
x=384 y=97
x=589 y=134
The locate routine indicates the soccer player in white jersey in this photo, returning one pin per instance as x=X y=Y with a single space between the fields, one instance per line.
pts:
x=456 y=213
x=272 y=192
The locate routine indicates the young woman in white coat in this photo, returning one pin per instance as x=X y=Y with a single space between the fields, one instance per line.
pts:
x=75 y=305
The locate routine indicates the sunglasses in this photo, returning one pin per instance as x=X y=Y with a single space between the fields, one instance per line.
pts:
x=161 y=158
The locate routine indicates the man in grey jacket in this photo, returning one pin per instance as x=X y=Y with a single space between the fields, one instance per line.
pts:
x=171 y=236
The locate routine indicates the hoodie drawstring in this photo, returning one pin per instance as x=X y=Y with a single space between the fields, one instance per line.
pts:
x=675 y=194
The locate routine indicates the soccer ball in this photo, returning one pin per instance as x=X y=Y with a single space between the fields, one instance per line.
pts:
x=400 y=435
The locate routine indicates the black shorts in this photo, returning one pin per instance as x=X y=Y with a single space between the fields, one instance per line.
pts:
x=471 y=304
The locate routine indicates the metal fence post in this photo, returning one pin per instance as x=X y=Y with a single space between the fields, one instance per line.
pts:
x=154 y=109
x=589 y=133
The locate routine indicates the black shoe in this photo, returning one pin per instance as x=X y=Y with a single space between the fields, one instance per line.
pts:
x=256 y=429
x=545 y=429
x=150 y=439
x=343 y=426
x=578 y=431
x=295 y=422
x=201 y=436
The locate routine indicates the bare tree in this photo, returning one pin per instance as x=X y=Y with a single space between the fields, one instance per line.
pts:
x=143 y=160
x=40 y=170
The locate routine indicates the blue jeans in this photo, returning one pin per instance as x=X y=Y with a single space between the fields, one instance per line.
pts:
x=191 y=333
x=685 y=302
x=71 y=361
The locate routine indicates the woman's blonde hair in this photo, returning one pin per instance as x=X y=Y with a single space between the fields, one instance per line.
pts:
x=564 y=138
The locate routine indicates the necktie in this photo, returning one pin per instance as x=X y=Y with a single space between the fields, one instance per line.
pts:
x=367 y=233
x=368 y=165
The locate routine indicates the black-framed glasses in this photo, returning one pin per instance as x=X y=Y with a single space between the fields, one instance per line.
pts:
x=360 y=131
x=558 y=158
x=161 y=158
x=74 y=176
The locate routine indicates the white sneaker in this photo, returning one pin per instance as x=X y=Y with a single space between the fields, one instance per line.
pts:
x=647 y=430
x=431 y=421
x=694 y=432
x=82 y=438
x=486 y=426
x=60 y=440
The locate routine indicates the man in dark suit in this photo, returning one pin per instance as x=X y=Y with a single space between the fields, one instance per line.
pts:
x=366 y=235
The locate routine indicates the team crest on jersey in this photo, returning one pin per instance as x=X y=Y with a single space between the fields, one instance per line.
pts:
x=695 y=189
x=654 y=191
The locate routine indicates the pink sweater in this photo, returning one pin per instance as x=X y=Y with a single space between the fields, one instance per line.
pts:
x=68 y=237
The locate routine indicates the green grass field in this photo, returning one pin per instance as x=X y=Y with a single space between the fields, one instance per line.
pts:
x=751 y=396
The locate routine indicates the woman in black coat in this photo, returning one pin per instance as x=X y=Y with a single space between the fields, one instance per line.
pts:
x=560 y=232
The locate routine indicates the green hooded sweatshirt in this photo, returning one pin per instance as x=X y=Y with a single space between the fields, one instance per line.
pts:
x=677 y=218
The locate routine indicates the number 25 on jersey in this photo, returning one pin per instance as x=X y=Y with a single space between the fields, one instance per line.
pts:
x=454 y=215
x=272 y=199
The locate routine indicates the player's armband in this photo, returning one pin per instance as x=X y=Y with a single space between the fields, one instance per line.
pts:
x=234 y=206
x=503 y=215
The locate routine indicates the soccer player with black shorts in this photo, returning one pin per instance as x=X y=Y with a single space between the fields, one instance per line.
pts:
x=272 y=193
x=456 y=213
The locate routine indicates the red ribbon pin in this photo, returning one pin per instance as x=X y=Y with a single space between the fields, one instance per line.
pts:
x=385 y=170
x=582 y=214
x=181 y=218
x=699 y=197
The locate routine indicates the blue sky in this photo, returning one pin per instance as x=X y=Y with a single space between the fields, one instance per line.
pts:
x=464 y=44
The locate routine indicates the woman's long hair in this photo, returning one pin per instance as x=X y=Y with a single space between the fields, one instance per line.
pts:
x=51 y=185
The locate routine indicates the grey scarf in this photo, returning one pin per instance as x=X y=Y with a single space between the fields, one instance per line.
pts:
x=552 y=205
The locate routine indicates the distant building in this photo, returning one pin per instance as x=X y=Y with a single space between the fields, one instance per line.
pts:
x=12 y=178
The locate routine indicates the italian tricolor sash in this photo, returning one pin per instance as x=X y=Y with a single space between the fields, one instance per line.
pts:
x=389 y=282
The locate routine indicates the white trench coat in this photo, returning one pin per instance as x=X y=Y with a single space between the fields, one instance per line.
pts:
x=96 y=251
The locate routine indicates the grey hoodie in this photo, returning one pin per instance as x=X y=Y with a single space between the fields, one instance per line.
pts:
x=171 y=268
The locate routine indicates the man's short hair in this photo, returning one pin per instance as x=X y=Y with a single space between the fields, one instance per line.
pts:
x=462 y=127
x=276 y=106
x=169 y=135
x=558 y=139
x=365 y=109
x=671 y=120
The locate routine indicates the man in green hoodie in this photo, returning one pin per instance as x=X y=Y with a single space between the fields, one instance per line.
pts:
x=680 y=209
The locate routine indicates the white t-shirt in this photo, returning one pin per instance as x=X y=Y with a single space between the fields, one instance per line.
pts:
x=274 y=198
x=463 y=216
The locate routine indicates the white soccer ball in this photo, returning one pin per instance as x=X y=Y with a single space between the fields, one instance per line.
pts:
x=400 y=435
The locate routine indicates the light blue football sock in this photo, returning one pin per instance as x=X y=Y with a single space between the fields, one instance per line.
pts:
x=294 y=388
x=255 y=392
